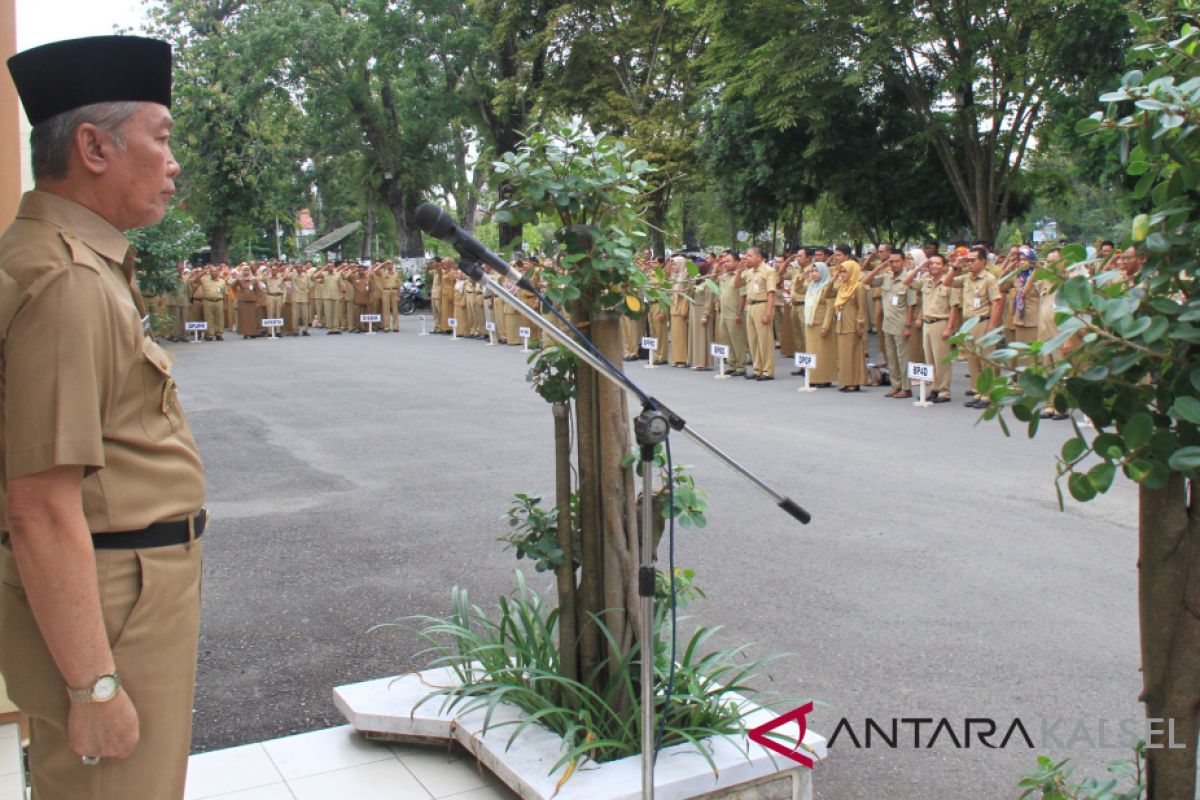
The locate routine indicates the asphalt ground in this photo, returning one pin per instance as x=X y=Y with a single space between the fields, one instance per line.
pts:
x=354 y=480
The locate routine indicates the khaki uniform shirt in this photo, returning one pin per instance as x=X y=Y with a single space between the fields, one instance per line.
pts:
x=299 y=292
x=729 y=295
x=759 y=283
x=87 y=388
x=274 y=284
x=937 y=299
x=212 y=288
x=795 y=285
x=896 y=298
x=978 y=294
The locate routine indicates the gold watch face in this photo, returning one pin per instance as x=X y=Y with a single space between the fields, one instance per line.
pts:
x=105 y=688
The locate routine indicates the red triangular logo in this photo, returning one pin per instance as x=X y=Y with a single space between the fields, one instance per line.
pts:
x=759 y=734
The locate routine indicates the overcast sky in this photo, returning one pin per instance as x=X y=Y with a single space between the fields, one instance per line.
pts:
x=41 y=21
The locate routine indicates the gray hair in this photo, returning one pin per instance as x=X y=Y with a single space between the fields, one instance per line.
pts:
x=51 y=141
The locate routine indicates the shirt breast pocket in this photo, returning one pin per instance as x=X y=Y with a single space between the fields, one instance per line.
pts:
x=161 y=415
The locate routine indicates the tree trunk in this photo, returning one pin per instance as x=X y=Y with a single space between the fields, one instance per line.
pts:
x=691 y=231
x=365 y=250
x=656 y=214
x=408 y=235
x=568 y=661
x=608 y=517
x=1169 y=611
x=218 y=240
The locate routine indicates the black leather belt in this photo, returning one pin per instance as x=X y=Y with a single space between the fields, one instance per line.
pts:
x=160 y=534
x=931 y=320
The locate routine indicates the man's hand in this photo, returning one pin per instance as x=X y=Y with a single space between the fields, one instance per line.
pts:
x=767 y=318
x=824 y=332
x=103 y=730
x=946 y=334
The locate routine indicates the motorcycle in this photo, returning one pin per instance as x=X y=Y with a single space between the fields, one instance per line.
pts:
x=412 y=296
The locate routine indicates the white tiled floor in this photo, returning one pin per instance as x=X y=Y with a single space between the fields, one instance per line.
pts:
x=337 y=764
x=12 y=778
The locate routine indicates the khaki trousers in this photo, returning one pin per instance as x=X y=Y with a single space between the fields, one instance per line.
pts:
x=630 y=328
x=937 y=350
x=331 y=314
x=733 y=333
x=150 y=599
x=975 y=364
x=796 y=313
x=214 y=315
x=300 y=318
x=659 y=329
x=895 y=350
x=761 y=339
x=274 y=304
x=435 y=308
x=783 y=331
x=390 y=310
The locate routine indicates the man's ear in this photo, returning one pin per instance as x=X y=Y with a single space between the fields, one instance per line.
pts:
x=93 y=147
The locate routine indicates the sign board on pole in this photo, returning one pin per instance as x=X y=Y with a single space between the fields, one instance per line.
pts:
x=920 y=372
x=489 y=326
x=719 y=350
x=272 y=323
x=196 y=326
x=649 y=343
x=806 y=360
x=523 y=332
x=452 y=322
x=370 y=317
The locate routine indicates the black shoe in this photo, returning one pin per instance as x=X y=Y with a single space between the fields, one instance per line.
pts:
x=941 y=398
x=1061 y=416
x=750 y=376
x=304 y=334
x=766 y=377
x=220 y=338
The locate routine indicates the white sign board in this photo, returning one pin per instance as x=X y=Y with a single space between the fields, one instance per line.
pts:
x=196 y=326
x=272 y=323
x=920 y=372
x=489 y=326
x=369 y=317
x=452 y=322
x=806 y=360
x=523 y=332
x=649 y=343
x=719 y=350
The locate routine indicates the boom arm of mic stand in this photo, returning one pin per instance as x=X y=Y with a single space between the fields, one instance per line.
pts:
x=677 y=422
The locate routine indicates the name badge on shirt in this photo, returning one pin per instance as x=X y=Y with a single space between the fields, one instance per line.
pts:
x=838 y=316
x=895 y=300
x=757 y=286
x=977 y=303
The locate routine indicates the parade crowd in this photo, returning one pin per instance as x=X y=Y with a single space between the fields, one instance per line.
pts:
x=814 y=300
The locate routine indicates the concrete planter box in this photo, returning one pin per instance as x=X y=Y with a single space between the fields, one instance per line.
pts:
x=386 y=709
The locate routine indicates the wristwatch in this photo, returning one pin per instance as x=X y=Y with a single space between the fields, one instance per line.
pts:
x=103 y=689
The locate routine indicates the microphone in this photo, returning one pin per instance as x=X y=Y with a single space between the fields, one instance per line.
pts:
x=440 y=225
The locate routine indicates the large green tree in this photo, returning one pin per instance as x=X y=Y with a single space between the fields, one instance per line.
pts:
x=1127 y=356
x=977 y=73
x=632 y=69
x=236 y=127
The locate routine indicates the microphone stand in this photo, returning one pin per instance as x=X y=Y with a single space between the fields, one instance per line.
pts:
x=651 y=427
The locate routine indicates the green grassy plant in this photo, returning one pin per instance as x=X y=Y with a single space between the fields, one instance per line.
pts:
x=512 y=657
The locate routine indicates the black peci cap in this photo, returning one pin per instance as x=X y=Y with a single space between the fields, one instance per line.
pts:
x=65 y=75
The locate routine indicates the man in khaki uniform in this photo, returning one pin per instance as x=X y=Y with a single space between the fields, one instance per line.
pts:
x=389 y=293
x=212 y=297
x=274 y=294
x=981 y=300
x=325 y=283
x=360 y=280
x=731 y=326
x=101 y=485
x=783 y=323
x=177 y=303
x=435 y=293
x=940 y=305
x=761 y=282
x=298 y=298
x=796 y=287
x=898 y=301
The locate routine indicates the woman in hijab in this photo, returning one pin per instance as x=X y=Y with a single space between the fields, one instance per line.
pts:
x=817 y=300
x=846 y=319
x=250 y=294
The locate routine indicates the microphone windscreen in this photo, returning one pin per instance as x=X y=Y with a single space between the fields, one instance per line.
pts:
x=434 y=221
